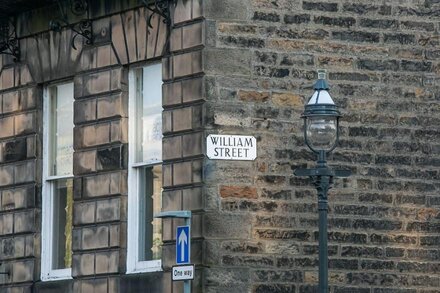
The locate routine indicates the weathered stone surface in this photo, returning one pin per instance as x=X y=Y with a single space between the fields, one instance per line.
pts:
x=192 y=198
x=229 y=9
x=287 y=100
x=192 y=90
x=192 y=144
x=83 y=264
x=187 y=37
x=172 y=148
x=374 y=212
x=251 y=96
x=85 y=110
x=109 y=159
x=84 y=213
x=182 y=119
x=22 y=271
x=115 y=105
x=224 y=227
x=216 y=61
x=7 y=78
x=187 y=64
x=182 y=173
x=100 y=82
x=106 y=262
x=92 y=135
x=17 y=198
x=171 y=94
x=14 y=150
x=103 y=184
x=85 y=162
x=25 y=123
x=238 y=192
x=7 y=126
x=24 y=222
x=10 y=102
x=108 y=210
x=96 y=237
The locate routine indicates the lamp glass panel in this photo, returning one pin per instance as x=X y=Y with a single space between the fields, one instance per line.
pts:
x=321 y=132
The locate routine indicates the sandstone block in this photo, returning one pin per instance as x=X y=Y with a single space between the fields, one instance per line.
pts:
x=84 y=110
x=288 y=100
x=107 y=262
x=253 y=96
x=22 y=271
x=108 y=210
x=84 y=213
x=238 y=191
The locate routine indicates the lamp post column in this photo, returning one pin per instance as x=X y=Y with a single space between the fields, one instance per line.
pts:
x=323 y=254
x=322 y=183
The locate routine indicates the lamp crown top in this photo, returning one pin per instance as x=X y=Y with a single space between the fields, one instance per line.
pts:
x=321 y=83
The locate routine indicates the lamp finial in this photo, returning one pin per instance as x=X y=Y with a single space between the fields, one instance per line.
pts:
x=322 y=74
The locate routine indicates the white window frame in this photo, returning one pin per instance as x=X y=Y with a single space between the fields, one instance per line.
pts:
x=133 y=264
x=47 y=273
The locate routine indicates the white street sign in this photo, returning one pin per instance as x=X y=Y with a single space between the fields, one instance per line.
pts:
x=183 y=273
x=231 y=147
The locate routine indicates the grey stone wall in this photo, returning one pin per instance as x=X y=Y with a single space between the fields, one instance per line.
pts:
x=261 y=222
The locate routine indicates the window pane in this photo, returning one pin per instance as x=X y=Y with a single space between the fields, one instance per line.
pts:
x=62 y=224
x=149 y=114
x=150 y=229
x=61 y=129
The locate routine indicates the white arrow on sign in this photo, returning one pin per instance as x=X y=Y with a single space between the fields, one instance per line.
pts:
x=183 y=239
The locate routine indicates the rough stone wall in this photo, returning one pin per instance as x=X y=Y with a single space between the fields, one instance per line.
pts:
x=261 y=221
x=100 y=76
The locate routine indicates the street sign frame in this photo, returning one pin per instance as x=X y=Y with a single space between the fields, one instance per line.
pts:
x=181 y=248
x=231 y=147
x=182 y=268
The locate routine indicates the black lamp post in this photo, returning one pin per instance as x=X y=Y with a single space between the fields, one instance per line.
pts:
x=321 y=134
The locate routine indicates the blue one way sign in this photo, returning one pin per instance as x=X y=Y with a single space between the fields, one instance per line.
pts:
x=183 y=245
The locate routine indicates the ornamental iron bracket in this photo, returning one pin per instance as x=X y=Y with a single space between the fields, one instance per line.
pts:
x=163 y=9
x=9 y=44
x=83 y=28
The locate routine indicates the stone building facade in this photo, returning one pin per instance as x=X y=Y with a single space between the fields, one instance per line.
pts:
x=228 y=67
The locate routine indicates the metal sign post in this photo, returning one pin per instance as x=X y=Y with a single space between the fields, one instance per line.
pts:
x=183 y=271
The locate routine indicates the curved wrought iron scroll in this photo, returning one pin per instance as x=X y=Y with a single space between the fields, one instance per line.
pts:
x=163 y=9
x=9 y=43
x=83 y=28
